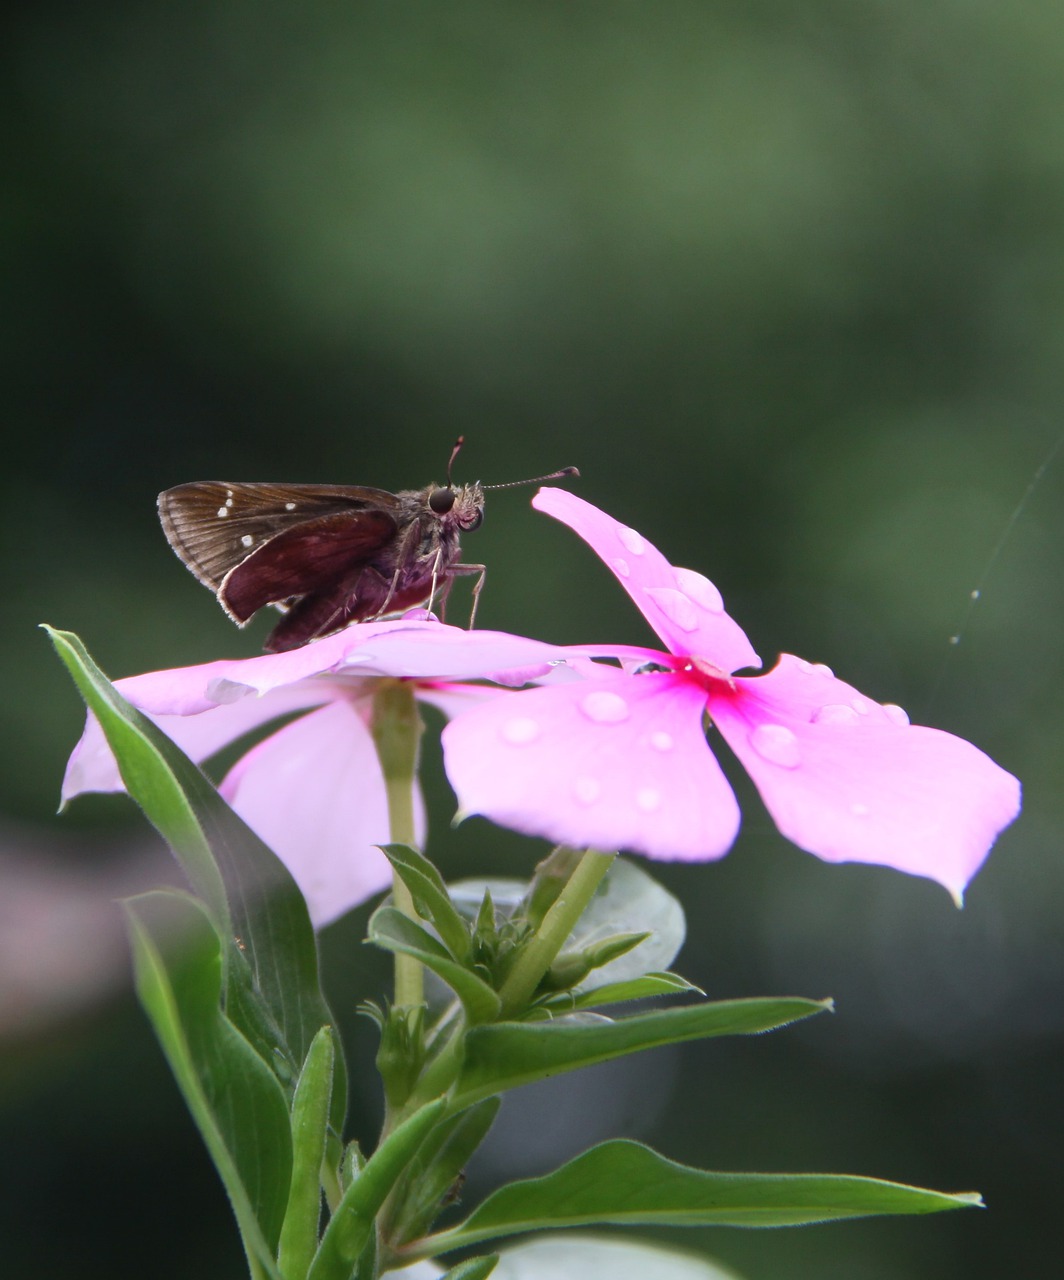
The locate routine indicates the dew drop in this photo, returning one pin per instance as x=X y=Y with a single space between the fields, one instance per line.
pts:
x=632 y=541
x=604 y=707
x=974 y=595
x=823 y=668
x=223 y=511
x=896 y=713
x=660 y=740
x=777 y=744
x=675 y=606
x=835 y=713
x=622 y=567
x=860 y=706
x=520 y=731
x=648 y=799
x=700 y=590
x=586 y=790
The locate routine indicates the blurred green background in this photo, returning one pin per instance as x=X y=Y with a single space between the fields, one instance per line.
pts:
x=786 y=282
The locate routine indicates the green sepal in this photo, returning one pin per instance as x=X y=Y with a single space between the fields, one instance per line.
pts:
x=393 y=931
x=572 y=967
x=627 y=1184
x=350 y=1228
x=507 y=1054
x=234 y=1097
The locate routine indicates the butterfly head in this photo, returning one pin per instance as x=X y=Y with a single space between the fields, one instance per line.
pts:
x=461 y=505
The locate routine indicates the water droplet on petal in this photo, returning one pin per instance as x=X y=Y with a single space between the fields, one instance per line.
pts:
x=700 y=589
x=632 y=541
x=835 y=713
x=823 y=668
x=660 y=740
x=586 y=790
x=648 y=799
x=777 y=744
x=622 y=567
x=604 y=707
x=860 y=706
x=896 y=713
x=675 y=606
x=859 y=810
x=520 y=731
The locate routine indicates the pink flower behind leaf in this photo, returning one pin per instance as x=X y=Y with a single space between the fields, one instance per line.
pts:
x=313 y=789
x=620 y=760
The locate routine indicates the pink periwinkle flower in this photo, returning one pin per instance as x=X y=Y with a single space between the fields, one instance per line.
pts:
x=620 y=759
x=313 y=789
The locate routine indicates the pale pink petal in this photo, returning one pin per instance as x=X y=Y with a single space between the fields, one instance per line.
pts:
x=314 y=793
x=683 y=607
x=615 y=763
x=431 y=650
x=92 y=767
x=851 y=781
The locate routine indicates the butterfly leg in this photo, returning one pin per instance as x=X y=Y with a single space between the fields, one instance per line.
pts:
x=481 y=572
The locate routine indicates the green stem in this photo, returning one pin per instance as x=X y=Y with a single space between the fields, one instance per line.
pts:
x=397 y=734
x=538 y=955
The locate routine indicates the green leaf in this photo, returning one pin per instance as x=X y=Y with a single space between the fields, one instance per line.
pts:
x=431 y=899
x=626 y=1183
x=390 y=929
x=592 y=1257
x=507 y=1054
x=627 y=901
x=310 y=1122
x=644 y=988
x=233 y=1095
x=271 y=960
x=438 y=1165
x=351 y=1227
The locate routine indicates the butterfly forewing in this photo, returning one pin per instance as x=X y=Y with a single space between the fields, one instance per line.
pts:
x=213 y=525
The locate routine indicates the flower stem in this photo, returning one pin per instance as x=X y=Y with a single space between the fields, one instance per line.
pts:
x=397 y=731
x=538 y=954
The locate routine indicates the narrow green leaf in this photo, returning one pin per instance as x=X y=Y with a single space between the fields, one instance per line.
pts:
x=626 y=1183
x=233 y=1096
x=644 y=988
x=310 y=1121
x=473 y=1268
x=351 y=1226
x=507 y=1054
x=393 y=931
x=431 y=899
x=271 y=960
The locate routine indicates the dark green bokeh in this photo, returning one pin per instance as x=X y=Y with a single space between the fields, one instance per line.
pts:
x=787 y=283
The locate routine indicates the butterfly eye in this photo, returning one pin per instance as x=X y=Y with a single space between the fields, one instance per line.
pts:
x=442 y=500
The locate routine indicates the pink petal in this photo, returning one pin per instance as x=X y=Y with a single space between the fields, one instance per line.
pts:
x=92 y=767
x=620 y=762
x=852 y=781
x=314 y=793
x=683 y=607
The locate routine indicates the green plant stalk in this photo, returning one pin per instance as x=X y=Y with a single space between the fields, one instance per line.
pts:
x=397 y=732
x=538 y=954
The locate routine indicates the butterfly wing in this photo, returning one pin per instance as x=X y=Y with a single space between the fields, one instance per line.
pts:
x=323 y=554
x=213 y=525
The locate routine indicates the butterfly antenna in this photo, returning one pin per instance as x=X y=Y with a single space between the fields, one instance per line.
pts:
x=554 y=475
x=454 y=454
